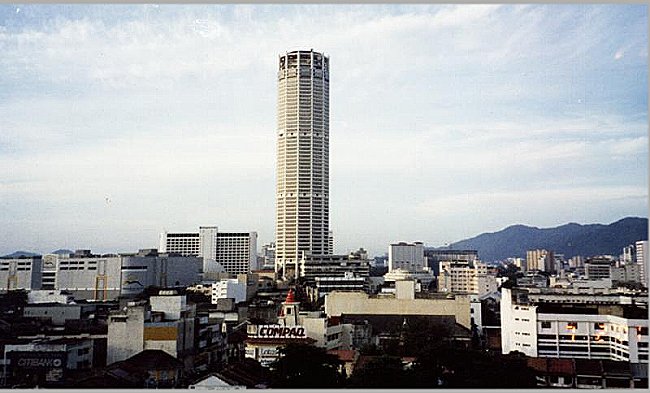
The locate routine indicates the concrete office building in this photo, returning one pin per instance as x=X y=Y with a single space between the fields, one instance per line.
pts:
x=543 y=260
x=20 y=273
x=459 y=277
x=406 y=256
x=598 y=268
x=148 y=267
x=630 y=272
x=268 y=256
x=302 y=188
x=313 y=266
x=167 y=323
x=105 y=277
x=602 y=324
x=404 y=301
x=435 y=256
x=406 y=261
x=233 y=252
x=231 y=288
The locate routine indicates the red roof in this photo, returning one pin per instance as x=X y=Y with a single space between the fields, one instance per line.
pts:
x=537 y=364
x=561 y=366
x=344 y=355
x=291 y=297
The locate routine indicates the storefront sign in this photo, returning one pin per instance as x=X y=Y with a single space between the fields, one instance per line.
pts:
x=276 y=331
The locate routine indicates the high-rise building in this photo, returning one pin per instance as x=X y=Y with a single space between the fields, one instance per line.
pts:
x=302 y=193
x=641 y=252
x=234 y=252
x=542 y=260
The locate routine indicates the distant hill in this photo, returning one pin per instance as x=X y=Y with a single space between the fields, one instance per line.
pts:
x=570 y=239
x=63 y=251
x=19 y=254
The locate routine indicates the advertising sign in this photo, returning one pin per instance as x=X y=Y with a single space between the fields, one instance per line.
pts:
x=276 y=331
x=269 y=352
x=51 y=365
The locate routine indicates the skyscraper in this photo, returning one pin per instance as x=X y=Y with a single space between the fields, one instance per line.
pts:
x=302 y=192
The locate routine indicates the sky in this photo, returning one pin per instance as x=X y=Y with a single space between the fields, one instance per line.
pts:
x=446 y=121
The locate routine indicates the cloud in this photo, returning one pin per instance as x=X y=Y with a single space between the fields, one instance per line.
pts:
x=619 y=54
x=171 y=112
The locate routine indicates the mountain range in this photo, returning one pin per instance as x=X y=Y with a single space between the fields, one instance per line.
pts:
x=570 y=239
x=18 y=254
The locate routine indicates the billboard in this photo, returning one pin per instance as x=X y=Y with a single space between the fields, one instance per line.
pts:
x=50 y=365
x=276 y=331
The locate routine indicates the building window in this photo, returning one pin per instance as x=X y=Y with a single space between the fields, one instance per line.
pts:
x=546 y=325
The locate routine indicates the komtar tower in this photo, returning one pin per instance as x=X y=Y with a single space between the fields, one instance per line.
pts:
x=302 y=190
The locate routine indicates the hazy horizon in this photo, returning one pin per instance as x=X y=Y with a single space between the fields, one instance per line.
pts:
x=446 y=121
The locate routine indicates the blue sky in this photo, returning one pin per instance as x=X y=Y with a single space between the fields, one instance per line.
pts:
x=446 y=121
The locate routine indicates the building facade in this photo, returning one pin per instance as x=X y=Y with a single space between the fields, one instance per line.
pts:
x=302 y=188
x=406 y=256
x=459 y=277
x=641 y=254
x=20 y=273
x=313 y=266
x=234 y=252
x=564 y=323
x=231 y=288
x=435 y=256
x=105 y=277
x=542 y=260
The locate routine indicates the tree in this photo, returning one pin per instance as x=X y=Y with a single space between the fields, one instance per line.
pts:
x=383 y=372
x=306 y=366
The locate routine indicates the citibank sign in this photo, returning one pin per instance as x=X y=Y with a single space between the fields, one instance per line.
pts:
x=277 y=331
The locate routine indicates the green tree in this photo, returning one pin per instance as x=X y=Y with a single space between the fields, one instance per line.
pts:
x=306 y=366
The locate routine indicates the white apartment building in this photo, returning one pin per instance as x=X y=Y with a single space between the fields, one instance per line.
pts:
x=406 y=256
x=231 y=288
x=642 y=253
x=234 y=252
x=302 y=187
x=459 y=277
x=604 y=324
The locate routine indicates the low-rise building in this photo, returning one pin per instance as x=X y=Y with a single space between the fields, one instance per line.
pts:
x=566 y=323
x=600 y=267
x=167 y=323
x=329 y=266
x=461 y=277
x=229 y=288
x=47 y=362
x=20 y=273
x=105 y=277
x=403 y=302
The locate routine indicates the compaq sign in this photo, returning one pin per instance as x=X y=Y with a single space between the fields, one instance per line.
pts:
x=279 y=331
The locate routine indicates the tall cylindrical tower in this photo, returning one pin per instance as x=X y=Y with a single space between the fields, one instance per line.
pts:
x=302 y=192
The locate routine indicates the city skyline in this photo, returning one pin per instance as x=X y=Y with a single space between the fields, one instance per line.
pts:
x=446 y=121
